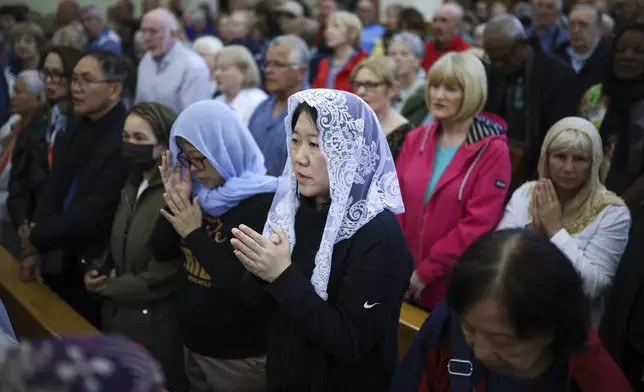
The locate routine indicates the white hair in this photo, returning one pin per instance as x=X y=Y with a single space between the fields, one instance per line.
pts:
x=196 y=13
x=208 y=44
x=413 y=41
x=455 y=9
x=33 y=83
x=300 y=54
x=165 y=18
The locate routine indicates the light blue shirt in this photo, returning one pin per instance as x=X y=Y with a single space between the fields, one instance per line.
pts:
x=180 y=79
x=107 y=41
x=370 y=35
x=442 y=159
x=270 y=135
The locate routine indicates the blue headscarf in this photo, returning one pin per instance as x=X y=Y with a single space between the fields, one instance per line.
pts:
x=221 y=136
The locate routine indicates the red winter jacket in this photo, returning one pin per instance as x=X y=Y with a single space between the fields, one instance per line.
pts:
x=343 y=78
x=467 y=202
x=432 y=53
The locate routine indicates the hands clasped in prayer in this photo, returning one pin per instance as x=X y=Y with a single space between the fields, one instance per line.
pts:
x=265 y=258
x=186 y=216
x=546 y=210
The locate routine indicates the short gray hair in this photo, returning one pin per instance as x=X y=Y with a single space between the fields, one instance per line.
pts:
x=196 y=13
x=300 y=54
x=413 y=41
x=506 y=26
x=166 y=18
x=34 y=82
x=588 y=7
x=95 y=11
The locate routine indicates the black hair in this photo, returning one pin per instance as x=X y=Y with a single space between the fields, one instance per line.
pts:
x=304 y=108
x=532 y=279
x=413 y=20
x=18 y=12
x=116 y=68
x=69 y=57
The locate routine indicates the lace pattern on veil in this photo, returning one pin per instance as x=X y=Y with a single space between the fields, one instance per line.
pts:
x=362 y=174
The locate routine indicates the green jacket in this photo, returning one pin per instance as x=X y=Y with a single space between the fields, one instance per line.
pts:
x=138 y=301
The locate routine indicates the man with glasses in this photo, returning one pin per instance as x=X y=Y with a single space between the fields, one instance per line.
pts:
x=286 y=67
x=587 y=52
x=528 y=88
x=169 y=73
x=74 y=216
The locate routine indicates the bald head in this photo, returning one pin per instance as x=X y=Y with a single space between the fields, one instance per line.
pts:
x=160 y=31
x=447 y=22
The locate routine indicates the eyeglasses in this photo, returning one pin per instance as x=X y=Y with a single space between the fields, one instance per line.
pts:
x=83 y=84
x=277 y=65
x=52 y=77
x=185 y=161
x=368 y=86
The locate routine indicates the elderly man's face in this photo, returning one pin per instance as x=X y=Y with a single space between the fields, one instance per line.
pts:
x=584 y=29
x=93 y=25
x=156 y=37
x=545 y=12
x=282 y=76
x=445 y=25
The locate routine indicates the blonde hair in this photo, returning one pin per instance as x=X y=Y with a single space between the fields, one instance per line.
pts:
x=465 y=71
x=381 y=67
x=243 y=59
x=350 y=23
x=573 y=141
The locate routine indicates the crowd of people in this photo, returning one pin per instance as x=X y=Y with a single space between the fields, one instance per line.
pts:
x=249 y=194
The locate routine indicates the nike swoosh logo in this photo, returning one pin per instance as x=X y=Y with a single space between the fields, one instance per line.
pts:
x=367 y=305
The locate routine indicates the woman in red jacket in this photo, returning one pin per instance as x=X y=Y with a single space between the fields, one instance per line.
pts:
x=342 y=35
x=453 y=174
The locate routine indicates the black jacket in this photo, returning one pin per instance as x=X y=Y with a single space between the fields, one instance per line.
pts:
x=594 y=70
x=551 y=96
x=29 y=170
x=215 y=319
x=87 y=167
x=349 y=342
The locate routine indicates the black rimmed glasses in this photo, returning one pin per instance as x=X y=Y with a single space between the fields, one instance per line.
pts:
x=185 y=161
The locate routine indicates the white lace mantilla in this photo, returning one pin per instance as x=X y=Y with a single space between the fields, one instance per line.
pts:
x=362 y=174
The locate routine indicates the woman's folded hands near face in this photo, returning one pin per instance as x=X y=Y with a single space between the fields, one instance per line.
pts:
x=265 y=258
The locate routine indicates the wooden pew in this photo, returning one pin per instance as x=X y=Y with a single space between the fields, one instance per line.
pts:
x=411 y=319
x=33 y=308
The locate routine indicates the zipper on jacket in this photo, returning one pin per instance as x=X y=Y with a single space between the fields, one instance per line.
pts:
x=128 y=222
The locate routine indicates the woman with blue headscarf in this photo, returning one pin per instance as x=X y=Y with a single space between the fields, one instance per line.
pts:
x=215 y=180
x=333 y=259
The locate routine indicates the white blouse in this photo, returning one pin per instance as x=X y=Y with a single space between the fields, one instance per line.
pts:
x=595 y=251
x=245 y=103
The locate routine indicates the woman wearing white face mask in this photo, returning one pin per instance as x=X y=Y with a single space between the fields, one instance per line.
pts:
x=569 y=204
x=334 y=264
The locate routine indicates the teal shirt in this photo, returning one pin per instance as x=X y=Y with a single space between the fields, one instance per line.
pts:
x=442 y=158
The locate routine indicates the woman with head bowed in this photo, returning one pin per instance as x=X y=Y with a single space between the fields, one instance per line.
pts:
x=454 y=174
x=137 y=290
x=571 y=207
x=333 y=264
x=516 y=319
x=215 y=180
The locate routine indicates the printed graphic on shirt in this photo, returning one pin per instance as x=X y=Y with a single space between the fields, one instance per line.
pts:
x=196 y=273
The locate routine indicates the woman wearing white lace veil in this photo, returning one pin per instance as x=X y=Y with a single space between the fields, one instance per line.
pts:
x=333 y=258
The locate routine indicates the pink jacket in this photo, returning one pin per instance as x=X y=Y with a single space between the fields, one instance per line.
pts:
x=467 y=202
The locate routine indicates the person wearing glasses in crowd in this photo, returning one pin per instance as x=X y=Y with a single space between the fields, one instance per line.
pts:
x=34 y=150
x=74 y=215
x=374 y=81
x=27 y=104
x=215 y=180
x=286 y=66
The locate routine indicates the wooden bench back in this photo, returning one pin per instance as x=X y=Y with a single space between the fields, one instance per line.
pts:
x=33 y=308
